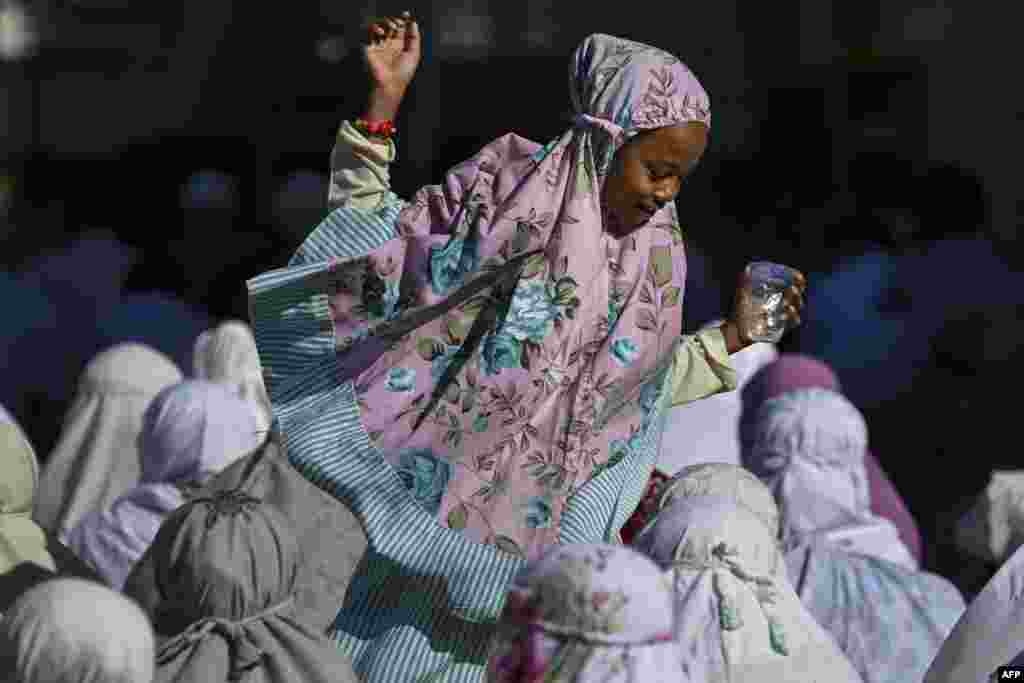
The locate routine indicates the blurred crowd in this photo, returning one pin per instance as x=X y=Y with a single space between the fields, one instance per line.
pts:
x=846 y=514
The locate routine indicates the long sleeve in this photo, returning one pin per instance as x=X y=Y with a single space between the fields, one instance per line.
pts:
x=359 y=170
x=702 y=367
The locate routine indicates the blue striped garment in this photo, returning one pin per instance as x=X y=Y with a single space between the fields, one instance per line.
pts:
x=423 y=604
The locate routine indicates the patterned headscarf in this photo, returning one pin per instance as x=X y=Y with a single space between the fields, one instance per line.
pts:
x=190 y=432
x=226 y=567
x=735 y=609
x=97 y=458
x=588 y=613
x=789 y=372
x=793 y=372
x=726 y=481
x=75 y=631
x=227 y=354
x=808 y=446
x=518 y=330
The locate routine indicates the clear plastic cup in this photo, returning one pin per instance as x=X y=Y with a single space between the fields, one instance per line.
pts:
x=762 y=304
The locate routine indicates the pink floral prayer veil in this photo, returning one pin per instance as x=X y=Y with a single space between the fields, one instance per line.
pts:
x=526 y=346
x=588 y=613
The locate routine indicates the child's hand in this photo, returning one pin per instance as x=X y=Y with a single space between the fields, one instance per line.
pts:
x=392 y=53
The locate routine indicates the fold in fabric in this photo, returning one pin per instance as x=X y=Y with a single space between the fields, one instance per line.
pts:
x=97 y=457
x=226 y=568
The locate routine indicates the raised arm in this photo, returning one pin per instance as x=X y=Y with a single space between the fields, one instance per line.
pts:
x=360 y=159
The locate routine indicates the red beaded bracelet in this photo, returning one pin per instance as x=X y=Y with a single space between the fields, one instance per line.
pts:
x=380 y=129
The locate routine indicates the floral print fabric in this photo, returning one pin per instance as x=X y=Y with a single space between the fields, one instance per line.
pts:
x=520 y=343
x=889 y=621
x=587 y=613
x=735 y=608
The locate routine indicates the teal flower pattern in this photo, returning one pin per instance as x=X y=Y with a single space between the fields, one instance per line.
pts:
x=481 y=423
x=625 y=351
x=500 y=351
x=538 y=513
x=426 y=476
x=401 y=380
x=532 y=313
x=450 y=264
x=439 y=365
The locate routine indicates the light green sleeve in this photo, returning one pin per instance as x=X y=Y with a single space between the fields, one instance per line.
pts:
x=702 y=367
x=359 y=170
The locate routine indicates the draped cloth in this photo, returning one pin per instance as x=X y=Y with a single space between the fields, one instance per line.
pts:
x=808 y=446
x=708 y=430
x=331 y=541
x=792 y=372
x=724 y=481
x=993 y=528
x=736 y=612
x=75 y=631
x=97 y=457
x=988 y=634
x=190 y=432
x=29 y=555
x=890 y=621
x=228 y=354
x=226 y=567
x=588 y=613
x=21 y=539
x=850 y=567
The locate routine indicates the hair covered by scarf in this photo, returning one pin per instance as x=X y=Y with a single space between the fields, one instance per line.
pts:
x=75 y=631
x=514 y=319
x=226 y=567
x=794 y=372
x=190 y=432
x=809 y=447
x=97 y=457
x=228 y=354
x=587 y=613
x=734 y=604
x=728 y=481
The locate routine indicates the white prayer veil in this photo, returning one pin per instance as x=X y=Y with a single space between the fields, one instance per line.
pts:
x=75 y=631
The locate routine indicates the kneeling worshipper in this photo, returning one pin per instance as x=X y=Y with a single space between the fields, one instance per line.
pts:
x=738 y=618
x=97 y=456
x=75 y=631
x=227 y=354
x=190 y=432
x=226 y=568
x=791 y=372
x=484 y=372
x=331 y=541
x=990 y=634
x=850 y=567
x=588 y=612
x=28 y=554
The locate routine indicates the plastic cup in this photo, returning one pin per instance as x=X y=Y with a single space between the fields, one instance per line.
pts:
x=762 y=306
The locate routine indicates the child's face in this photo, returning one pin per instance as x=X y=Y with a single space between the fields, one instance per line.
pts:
x=648 y=172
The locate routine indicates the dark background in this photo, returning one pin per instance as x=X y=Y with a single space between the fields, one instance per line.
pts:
x=872 y=145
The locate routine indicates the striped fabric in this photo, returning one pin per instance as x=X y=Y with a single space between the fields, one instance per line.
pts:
x=424 y=602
